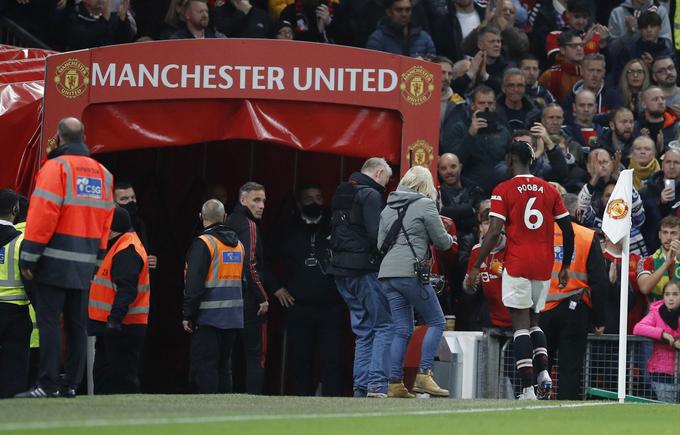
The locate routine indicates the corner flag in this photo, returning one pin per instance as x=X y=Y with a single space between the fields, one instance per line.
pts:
x=616 y=221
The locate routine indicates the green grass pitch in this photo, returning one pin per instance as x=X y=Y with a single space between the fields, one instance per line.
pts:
x=242 y=414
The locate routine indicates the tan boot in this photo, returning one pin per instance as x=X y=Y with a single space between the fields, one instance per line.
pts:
x=425 y=384
x=398 y=390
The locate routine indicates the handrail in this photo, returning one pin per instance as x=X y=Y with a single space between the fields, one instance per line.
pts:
x=13 y=34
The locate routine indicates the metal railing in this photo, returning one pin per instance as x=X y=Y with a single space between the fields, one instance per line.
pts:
x=600 y=369
x=13 y=34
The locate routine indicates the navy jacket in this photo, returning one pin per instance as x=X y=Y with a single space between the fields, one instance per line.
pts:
x=389 y=38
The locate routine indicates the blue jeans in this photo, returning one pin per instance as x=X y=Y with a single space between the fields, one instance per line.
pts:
x=405 y=294
x=372 y=325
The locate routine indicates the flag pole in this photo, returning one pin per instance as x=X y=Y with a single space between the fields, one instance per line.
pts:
x=623 y=317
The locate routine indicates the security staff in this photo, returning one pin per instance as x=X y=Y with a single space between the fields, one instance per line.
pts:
x=67 y=231
x=118 y=308
x=15 y=323
x=213 y=300
x=565 y=320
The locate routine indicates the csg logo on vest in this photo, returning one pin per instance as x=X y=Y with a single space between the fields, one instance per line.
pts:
x=230 y=257
x=89 y=187
x=559 y=254
x=2 y=255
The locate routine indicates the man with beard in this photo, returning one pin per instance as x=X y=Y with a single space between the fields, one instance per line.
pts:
x=124 y=195
x=244 y=221
x=661 y=195
x=619 y=136
x=657 y=121
x=397 y=35
x=196 y=19
x=665 y=74
x=451 y=103
x=315 y=312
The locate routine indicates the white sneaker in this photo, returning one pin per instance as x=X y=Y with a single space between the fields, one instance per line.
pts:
x=527 y=394
x=544 y=385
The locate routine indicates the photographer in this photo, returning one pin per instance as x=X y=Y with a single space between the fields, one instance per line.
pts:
x=405 y=275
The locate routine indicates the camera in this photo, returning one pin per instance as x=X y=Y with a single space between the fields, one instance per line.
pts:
x=438 y=283
x=422 y=271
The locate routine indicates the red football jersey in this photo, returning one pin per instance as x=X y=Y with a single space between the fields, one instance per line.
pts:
x=529 y=206
x=490 y=277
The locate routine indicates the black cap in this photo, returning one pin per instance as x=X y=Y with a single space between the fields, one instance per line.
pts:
x=121 y=220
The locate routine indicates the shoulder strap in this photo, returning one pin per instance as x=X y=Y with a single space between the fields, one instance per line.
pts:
x=393 y=233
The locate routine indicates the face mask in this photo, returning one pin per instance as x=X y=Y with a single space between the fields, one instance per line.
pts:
x=312 y=210
x=131 y=208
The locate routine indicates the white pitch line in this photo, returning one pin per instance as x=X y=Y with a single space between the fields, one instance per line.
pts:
x=240 y=418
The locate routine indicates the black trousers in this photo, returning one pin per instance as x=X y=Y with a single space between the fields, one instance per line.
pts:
x=310 y=329
x=210 y=359
x=116 y=363
x=566 y=331
x=15 y=338
x=51 y=303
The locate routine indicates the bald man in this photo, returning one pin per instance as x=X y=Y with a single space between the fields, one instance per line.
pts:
x=213 y=300
x=657 y=121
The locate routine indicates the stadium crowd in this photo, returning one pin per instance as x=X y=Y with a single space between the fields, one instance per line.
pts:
x=591 y=86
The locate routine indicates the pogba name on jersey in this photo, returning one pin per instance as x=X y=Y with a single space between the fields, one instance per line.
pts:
x=529 y=188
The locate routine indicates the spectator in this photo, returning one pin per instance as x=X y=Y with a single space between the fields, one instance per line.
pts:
x=93 y=24
x=582 y=127
x=240 y=19
x=570 y=309
x=458 y=202
x=54 y=258
x=661 y=325
x=314 y=20
x=606 y=97
x=619 y=135
x=642 y=161
x=15 y=322
x=662 y=266
x=529 y=66
x=244 y=221
x=356 y=209
x=212 y=311
x=196 y=22
x=174 y=19
x=647 y=46
x=553 y=119
x=468 y=74
x=514 y=42
x=633 y=81
x=410 y=254
x=118 y=309
x=660 y=193
x=396 y=34
x=489 y=42
x=452 y=105
x=562 y=76
x=284 y=30
x=315 y=313
x=665 y=75
x=513 y=105
x=657 y=120
x=451 y=28
x=549 y=161
x=479 y=142
x=622 y=18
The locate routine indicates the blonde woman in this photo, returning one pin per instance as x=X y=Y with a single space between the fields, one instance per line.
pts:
x=634 y=79
x=404 y=276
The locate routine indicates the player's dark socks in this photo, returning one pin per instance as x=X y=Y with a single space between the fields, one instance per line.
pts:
x=523 y=352
x=540 y=349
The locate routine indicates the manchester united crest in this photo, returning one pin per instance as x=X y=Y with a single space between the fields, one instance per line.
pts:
x=417 y=85
x=617 y=209
x=421 y=153
x=72 y=78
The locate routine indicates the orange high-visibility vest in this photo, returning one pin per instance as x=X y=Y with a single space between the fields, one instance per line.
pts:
x=578 y=271
x=103 y=290
x=69 y=219
x=222 y=305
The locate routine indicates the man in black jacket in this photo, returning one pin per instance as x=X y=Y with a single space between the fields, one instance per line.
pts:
x=240 y=19
x=196 y=22
x=314 y=307
x=213 y=300
x=119 y=342
x=244 y=221
x=93 y=25
x=356 y=208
